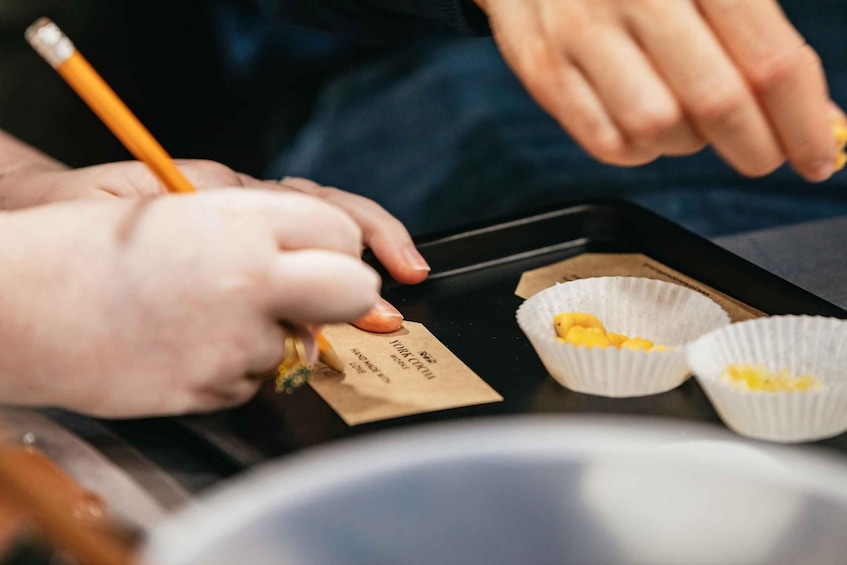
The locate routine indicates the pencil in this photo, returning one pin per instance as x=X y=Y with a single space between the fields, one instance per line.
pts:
x=57 y=49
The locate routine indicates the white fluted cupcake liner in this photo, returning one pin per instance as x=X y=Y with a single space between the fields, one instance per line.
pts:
x=802 y=345
x=665 y=313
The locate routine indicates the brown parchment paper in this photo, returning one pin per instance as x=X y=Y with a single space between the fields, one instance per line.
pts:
x=625 y=265
x=397 y=374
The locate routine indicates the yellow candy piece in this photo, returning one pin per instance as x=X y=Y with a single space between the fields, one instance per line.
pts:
x=757 y=378
x=587 y=337
x=579 y=328
x=840 y=129
x=566 y=320
x=616 y=339
x=637 y=343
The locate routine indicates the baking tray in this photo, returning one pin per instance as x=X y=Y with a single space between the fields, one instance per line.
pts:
x=469 y=304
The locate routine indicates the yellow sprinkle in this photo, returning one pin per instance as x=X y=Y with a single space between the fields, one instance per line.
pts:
x=580 y=328
x=566 y=320
x=588 y=337
x=616 y=339
x=637 y=343
x=757 y=378
x=840 y=129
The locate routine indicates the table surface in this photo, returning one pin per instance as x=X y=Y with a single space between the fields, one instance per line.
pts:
x=166 y=463
x=810 y=255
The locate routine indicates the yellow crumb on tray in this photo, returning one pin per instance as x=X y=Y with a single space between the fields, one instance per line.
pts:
x=757 y=378
x=586 y=330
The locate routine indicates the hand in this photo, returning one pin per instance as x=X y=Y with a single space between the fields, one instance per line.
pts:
x=163 y=305
x=46 y=181
x=632 y=80
x=382 y=232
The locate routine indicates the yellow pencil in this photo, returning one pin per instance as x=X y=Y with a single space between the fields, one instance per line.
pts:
x=52 y=44
x=58 y=50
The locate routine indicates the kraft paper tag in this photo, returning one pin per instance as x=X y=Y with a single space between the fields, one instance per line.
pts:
x=625 y=265
x=397 y=374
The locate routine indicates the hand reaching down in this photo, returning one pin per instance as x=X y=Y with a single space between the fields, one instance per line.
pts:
x=633 y=80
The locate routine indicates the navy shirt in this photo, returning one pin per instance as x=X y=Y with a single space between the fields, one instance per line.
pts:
x=381 y=21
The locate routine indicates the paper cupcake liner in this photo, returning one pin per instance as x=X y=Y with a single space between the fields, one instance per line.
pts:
x=666 y=313
x=801 y=344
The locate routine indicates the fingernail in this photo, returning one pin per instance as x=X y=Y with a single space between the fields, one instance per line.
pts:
x=414 y=259
x=386 y=309
x=821 y=170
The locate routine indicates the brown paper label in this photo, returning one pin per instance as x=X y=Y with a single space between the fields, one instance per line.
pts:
x=625 y=265
x=397 y=374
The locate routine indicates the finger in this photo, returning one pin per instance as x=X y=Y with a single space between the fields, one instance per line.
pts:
x=384 y=234
x=559 y=86
x=300 y=184
x=134 y=178
x=320 y=287
x=382 y=318
x=251 y=182
x=299 y=221
x=207 y=174
x=786 y=75
x=634 y=95
x=267 y=359
x=268 y=351
x=709 y=86
x=124 y=179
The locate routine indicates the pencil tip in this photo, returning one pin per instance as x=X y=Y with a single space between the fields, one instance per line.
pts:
x=328 y=355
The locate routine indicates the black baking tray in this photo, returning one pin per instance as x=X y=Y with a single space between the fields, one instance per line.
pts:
x=469 y=304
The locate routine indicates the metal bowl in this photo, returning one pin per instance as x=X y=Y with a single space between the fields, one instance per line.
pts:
x=529 y=490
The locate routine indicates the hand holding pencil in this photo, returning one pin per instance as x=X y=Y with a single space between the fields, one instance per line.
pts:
x=56 y=48
x=125 y=306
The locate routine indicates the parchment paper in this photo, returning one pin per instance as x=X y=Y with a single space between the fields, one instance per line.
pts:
x=398 y=374
x=625 y=265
